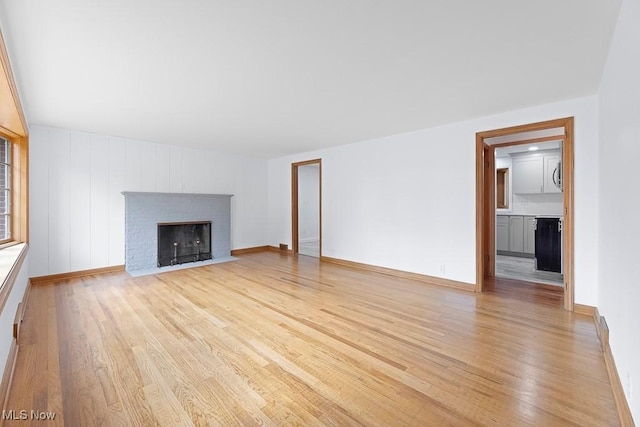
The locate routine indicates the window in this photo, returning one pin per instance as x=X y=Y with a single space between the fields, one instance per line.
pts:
x=5 y=190
x=502 y=188
x=14 y=160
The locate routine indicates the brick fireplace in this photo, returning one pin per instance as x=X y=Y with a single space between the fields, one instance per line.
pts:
x=145 y=212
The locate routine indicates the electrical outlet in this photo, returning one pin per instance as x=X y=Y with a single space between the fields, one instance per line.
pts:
x=442 y=269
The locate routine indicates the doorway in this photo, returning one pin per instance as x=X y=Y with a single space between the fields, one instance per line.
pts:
x=306 y=191
x=487 y=185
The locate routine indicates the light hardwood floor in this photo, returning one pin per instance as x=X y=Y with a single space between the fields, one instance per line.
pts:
x=280 y=340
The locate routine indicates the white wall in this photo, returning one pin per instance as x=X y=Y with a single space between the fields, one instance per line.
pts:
x=308 y=203
x=76 y=205
x=620 y=200
x=402 y=202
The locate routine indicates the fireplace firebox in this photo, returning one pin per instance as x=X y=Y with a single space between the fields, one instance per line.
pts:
x=182 y=242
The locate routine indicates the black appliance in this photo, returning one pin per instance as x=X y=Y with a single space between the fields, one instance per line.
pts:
x=548 y=244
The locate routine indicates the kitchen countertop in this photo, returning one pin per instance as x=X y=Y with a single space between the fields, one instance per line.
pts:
x=528 y=214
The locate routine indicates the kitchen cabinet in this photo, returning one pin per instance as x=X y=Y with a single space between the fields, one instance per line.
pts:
x=527 y=175
x=537 y=173
x=502 y=233
x=516 y=235
x=529 y=234
x=552 y=174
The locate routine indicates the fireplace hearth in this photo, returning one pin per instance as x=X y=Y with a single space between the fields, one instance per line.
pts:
x=183 y=242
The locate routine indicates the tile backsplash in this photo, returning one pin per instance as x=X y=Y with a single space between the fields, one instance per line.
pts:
x=535 y=204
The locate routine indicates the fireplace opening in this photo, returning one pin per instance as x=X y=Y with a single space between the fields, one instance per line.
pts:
x=182 y=242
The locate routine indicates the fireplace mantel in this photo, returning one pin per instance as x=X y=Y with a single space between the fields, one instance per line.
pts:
x=145 y=210
x=151 y=193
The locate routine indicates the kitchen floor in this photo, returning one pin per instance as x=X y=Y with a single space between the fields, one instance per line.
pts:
x=523 y=269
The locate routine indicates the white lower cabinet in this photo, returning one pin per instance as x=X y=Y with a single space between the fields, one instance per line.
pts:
x=502 y=233
x=515 y=233
x=529 y=234
x=516 y=237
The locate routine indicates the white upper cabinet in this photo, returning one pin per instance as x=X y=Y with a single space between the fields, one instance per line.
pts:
x=537 y=173
x=527 y=174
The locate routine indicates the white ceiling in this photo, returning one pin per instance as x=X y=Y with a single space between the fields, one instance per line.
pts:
x=513 y=149
x=269 y=78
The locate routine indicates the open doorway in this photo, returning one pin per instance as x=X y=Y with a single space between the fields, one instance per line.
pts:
x=525 y=205
x=306 y=179
x=529 y=208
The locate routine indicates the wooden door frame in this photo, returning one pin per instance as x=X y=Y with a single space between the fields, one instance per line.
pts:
x=294 y=203
x=485 y=201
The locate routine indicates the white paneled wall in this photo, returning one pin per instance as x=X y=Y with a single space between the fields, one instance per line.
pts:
x=77 y=209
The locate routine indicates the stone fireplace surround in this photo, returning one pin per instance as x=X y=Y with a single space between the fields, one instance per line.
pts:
x=143 y=212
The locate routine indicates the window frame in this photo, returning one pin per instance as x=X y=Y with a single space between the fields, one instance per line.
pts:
x=18 y=202
x=7 y=187
x=13 y=128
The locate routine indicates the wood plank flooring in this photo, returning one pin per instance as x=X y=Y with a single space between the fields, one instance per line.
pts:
x=280 y=340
